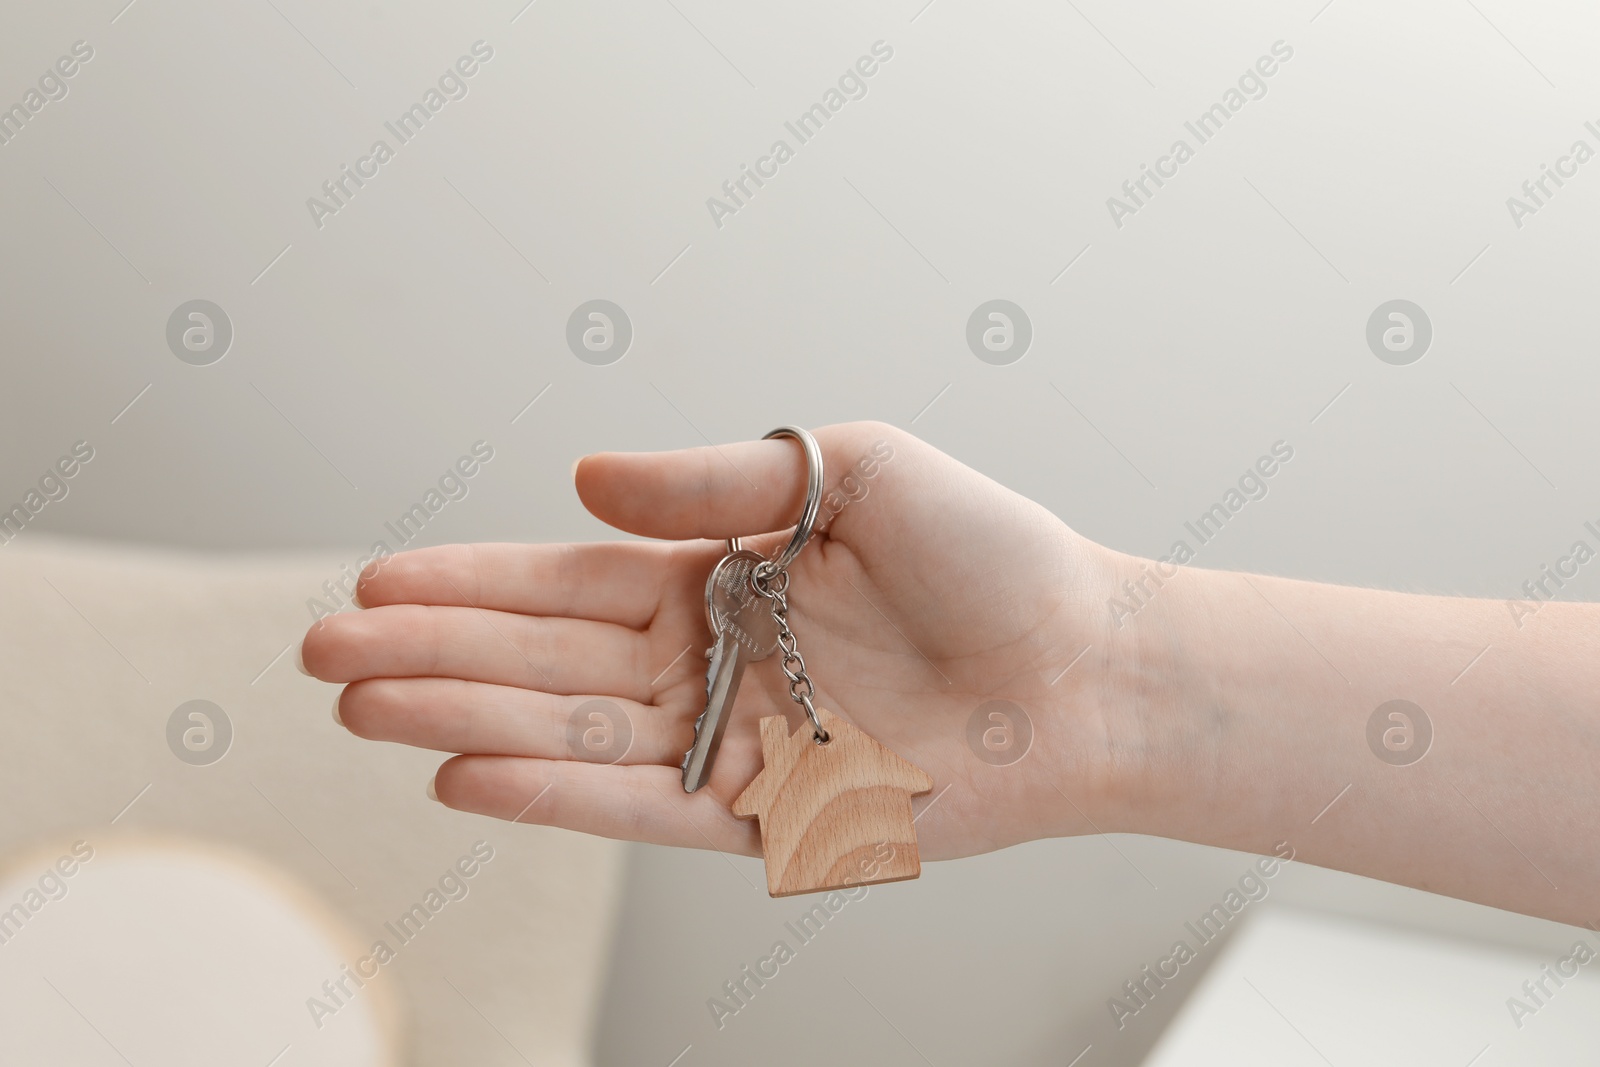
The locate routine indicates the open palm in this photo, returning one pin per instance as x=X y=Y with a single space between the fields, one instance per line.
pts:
x=931 y=593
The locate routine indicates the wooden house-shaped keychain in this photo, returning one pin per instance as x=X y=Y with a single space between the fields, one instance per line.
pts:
x=835 y=814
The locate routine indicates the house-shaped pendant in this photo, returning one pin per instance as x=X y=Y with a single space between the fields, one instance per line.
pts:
x=832 y=815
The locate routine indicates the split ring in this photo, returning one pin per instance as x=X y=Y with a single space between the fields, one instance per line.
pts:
x=808 y=516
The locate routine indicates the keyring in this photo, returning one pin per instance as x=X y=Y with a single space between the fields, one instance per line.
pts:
x=808 y=517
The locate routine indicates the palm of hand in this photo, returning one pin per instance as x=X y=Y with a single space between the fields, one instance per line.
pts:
x=912 y=613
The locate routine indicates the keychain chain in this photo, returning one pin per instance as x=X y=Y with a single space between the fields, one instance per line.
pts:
x=801 y=689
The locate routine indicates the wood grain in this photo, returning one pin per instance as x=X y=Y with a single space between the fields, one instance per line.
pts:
x=833 y=815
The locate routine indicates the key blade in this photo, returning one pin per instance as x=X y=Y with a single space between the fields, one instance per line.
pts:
x=723 y=675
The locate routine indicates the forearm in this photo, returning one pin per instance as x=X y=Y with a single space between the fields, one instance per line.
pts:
x=1259 y=734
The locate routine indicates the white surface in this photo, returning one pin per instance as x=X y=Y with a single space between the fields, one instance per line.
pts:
x=1302 y=989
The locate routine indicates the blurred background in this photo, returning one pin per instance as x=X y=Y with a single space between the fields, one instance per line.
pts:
x=272 y=339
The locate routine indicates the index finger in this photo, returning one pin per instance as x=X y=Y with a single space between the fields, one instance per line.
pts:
x=619 y=582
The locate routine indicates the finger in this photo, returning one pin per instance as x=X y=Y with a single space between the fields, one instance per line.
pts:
x=619 y=582
x=723 y=491
x=628 y=803
x=452 y=715
x=566 y=656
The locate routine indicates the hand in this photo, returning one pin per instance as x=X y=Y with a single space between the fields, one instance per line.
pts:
x=934 y=592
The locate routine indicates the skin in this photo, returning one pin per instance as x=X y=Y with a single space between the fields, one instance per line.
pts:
x=1229 y=710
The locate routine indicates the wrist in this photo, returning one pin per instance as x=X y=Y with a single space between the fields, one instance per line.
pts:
x=1239 y=720
x=1164 y=708
x=1149 y=729
x=1118 y=747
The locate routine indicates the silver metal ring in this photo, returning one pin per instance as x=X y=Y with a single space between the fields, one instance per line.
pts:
x=819 y=733
x=808 y=516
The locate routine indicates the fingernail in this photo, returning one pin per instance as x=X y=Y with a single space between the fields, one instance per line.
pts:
x=336 y=710
x=432 y=794
x=575 y=463
x=300 y=661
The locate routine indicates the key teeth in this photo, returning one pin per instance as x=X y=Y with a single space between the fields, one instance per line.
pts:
x=699 y=721
x=699 y=724
x=705 y=706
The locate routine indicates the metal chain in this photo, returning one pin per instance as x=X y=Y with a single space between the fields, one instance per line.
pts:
x=801 y=689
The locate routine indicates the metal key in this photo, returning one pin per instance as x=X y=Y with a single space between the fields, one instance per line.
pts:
x=746 y=631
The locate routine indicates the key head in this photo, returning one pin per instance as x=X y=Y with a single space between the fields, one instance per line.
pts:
x=733 y=606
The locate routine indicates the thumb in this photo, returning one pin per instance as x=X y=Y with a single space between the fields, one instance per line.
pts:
x=734 y=490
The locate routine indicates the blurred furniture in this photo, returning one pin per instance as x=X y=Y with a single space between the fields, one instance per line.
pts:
x=99 y=647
